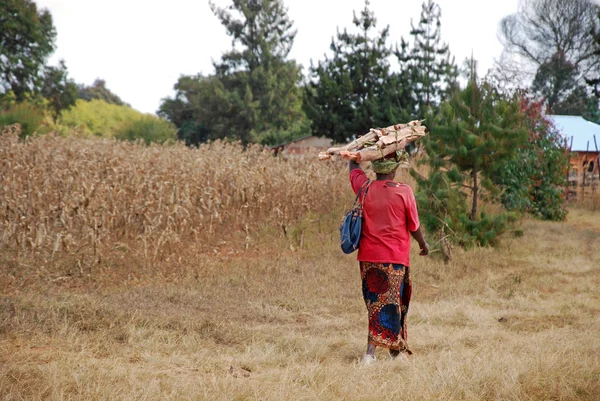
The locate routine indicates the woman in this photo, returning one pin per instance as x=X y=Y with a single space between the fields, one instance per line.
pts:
x=389 y=215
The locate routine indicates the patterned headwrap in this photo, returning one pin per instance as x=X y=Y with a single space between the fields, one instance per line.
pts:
x=389 y=164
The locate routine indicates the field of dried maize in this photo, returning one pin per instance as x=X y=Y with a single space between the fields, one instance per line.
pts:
x=85 y=200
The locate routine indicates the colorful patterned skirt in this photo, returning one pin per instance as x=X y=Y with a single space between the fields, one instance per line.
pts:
x=387 y=289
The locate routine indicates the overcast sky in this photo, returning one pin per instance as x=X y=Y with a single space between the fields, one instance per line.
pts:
x=141 y=47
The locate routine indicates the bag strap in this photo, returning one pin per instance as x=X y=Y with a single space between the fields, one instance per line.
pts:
x=365 y=186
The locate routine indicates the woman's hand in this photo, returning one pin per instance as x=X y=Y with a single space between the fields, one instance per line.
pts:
x=418 y=235
x=348 y=155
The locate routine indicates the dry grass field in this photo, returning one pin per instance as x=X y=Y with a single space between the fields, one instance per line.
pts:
x=262 y=305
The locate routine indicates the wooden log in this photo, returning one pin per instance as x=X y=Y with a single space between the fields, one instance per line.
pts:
x=355 y=144
x=409 y=133
x=373 y=152
x=382 y=137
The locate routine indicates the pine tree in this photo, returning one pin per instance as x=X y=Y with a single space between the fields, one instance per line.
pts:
x=431 y=68
x=253 y=96
x=259 y=83
x=473 y=135
x=353 y=91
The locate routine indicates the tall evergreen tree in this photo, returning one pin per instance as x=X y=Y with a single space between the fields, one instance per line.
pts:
x=431 y=68
x=253 y=95
x=352 y=91
x=259 y=83
x=475 y=133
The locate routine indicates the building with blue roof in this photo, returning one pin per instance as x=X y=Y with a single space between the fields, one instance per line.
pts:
x=583 y=139
x=580 y=130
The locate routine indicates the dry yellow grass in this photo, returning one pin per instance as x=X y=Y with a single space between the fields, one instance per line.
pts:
x=284 y=318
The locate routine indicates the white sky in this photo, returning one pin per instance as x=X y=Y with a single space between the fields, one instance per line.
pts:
x=141 y=47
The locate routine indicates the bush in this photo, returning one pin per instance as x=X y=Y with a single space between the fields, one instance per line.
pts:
x=534 y=181
x=98 y=117
x=149 y=128
x=30 y=117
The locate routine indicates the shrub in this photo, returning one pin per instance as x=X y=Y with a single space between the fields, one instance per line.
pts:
x=534 y=181
x=98 y=117
x=30 y=117
x=149 y=128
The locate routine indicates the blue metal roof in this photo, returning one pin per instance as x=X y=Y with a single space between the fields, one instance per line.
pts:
x=580 y=129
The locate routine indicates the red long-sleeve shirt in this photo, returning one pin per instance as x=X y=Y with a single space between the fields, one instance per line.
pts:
x=389 y=213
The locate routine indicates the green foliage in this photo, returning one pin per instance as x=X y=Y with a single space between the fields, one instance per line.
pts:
x=431 y=70
x=29 y=116
x=276 y=137
x=483 y=231
x=193 y=109
x=148 y=128
x=354 y=90
x=58 y=89
x=554 y=38
x=594 y=82
x=555 y=79
x=556 y=82
x=98 y=90
x=445 y=212
x=99 y=118
x=474 y=134
x=580 y=102
x=534 y=181
x=254 y=91
x=26 y=40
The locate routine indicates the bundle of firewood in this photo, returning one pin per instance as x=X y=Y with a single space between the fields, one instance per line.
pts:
x=378 y=143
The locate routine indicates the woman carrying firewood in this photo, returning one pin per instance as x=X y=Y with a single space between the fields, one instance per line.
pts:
x=390 y=217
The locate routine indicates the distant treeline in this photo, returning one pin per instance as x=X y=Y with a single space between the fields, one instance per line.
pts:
x=258 y=94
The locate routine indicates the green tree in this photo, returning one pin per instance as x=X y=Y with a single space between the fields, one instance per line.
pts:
x=554 y=80
x=535 y=180
x=254 y=90
x=28 y=115
x=196 y=108
x=431 y=68
x=259 y=80
x=148 y=128
x=98 y=90
x=594 y=82
x=580 y=102
x=353 y=91
x=475 y=133
x=58 y=89
x=552 y=37
x=26 y=41
x=98 y=118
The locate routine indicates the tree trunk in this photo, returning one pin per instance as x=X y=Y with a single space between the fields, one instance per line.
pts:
x=475 y=194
